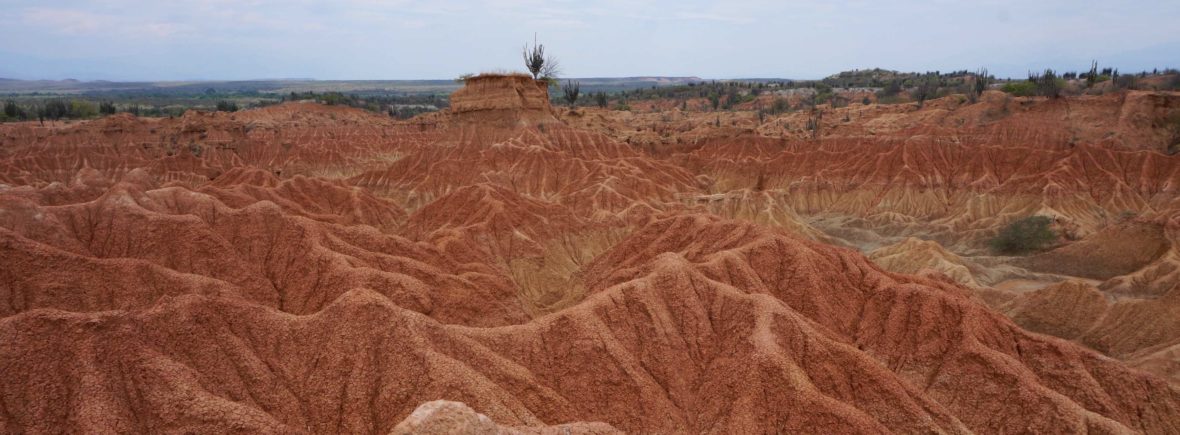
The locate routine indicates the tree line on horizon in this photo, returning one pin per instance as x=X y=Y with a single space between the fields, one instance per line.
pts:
x=890 y=87
x=876 y=85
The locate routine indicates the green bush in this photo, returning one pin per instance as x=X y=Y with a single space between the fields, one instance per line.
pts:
x=926 y=89
x=1020 y=89
x=82 y=109
x=823 y=93
x=780 y=105
x=1048 y=84
x=891 y=89
x=1024 y=235
x=55 y=109
x=13 y=112
x=1127 y=81
x=601 y=100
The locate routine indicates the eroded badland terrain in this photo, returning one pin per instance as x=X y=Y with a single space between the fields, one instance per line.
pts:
x=310 y=268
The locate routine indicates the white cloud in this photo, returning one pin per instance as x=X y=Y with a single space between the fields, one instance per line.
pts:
x=68 y=21
x=78 y=22
x=710 y=38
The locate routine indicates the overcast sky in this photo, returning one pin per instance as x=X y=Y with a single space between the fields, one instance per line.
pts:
x=411 y=39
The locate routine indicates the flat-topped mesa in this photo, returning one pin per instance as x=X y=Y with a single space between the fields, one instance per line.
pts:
x=508 y=98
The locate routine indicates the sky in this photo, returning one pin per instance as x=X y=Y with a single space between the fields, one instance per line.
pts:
x=440 y=39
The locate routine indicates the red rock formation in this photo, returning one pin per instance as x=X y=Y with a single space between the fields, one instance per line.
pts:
x=730 y=327
x=308 y=269
x=504 y=99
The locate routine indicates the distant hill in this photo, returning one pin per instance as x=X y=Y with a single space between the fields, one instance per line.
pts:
x=64 y=86
x=877 y=77
x=283 y=86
